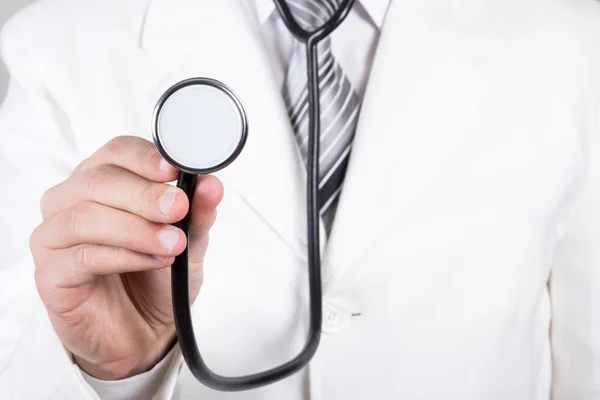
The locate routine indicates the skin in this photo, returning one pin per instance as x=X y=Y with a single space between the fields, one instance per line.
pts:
x=103 y=252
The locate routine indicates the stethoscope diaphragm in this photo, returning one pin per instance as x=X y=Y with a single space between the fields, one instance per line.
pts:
x=199 y=126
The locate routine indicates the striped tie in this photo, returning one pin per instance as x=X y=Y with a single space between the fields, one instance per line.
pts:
x=340 y=106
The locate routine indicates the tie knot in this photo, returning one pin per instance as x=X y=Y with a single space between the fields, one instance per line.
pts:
x=312 y=14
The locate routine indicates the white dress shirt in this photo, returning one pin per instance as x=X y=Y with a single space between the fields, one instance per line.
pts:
x=354 y=44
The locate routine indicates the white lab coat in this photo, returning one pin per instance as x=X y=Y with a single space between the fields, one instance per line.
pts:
x=474 y=179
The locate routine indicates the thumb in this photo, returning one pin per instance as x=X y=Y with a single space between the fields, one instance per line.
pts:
x=208 y=194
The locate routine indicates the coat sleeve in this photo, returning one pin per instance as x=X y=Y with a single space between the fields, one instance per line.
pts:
x=37 y=151
x=575 y=289
x=142 y=386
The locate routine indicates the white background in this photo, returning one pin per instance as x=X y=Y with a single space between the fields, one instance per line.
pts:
x=7 y=8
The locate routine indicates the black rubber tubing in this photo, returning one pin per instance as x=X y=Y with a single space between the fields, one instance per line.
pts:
x=180 y=270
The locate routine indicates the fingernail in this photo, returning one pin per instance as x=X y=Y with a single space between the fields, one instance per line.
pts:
x=166 y=201
x=164 y=165
x=168 y=238
x=160 y=258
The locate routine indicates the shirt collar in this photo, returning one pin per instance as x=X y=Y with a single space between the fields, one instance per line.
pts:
x=375 y=8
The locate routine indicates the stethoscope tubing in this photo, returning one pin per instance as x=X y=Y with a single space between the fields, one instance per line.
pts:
x=180 y=272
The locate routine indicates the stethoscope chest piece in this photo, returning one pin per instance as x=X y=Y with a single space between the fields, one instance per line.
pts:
x=199 y=126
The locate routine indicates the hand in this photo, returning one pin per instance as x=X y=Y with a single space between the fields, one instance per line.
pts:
x=103 y=250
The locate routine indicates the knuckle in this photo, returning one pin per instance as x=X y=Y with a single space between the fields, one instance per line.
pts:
x=96 y=178
x=34 y=239
x=146 y=197
x=46 y=200
x=146 y=153
x=53 y=198
x=117 y=144
x=90 y=181
x=84 y=257
x=130 y=232
x=117 y=147
x=76 y=216
x=48 y=288
x=121 y=257
x=42 y=275
x=113 y=147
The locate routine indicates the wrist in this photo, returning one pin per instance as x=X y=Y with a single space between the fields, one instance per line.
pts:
x=156 y=356
x=130 y=366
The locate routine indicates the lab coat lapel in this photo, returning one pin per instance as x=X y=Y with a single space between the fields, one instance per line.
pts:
x=221 y=40
x=421 y=101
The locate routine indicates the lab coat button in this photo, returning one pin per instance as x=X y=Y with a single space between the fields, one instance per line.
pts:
x=335 y=318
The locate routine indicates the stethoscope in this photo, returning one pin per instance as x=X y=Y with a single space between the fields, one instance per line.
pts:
x=200 y=126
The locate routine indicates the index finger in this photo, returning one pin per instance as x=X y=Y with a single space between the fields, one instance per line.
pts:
x=134 y=154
